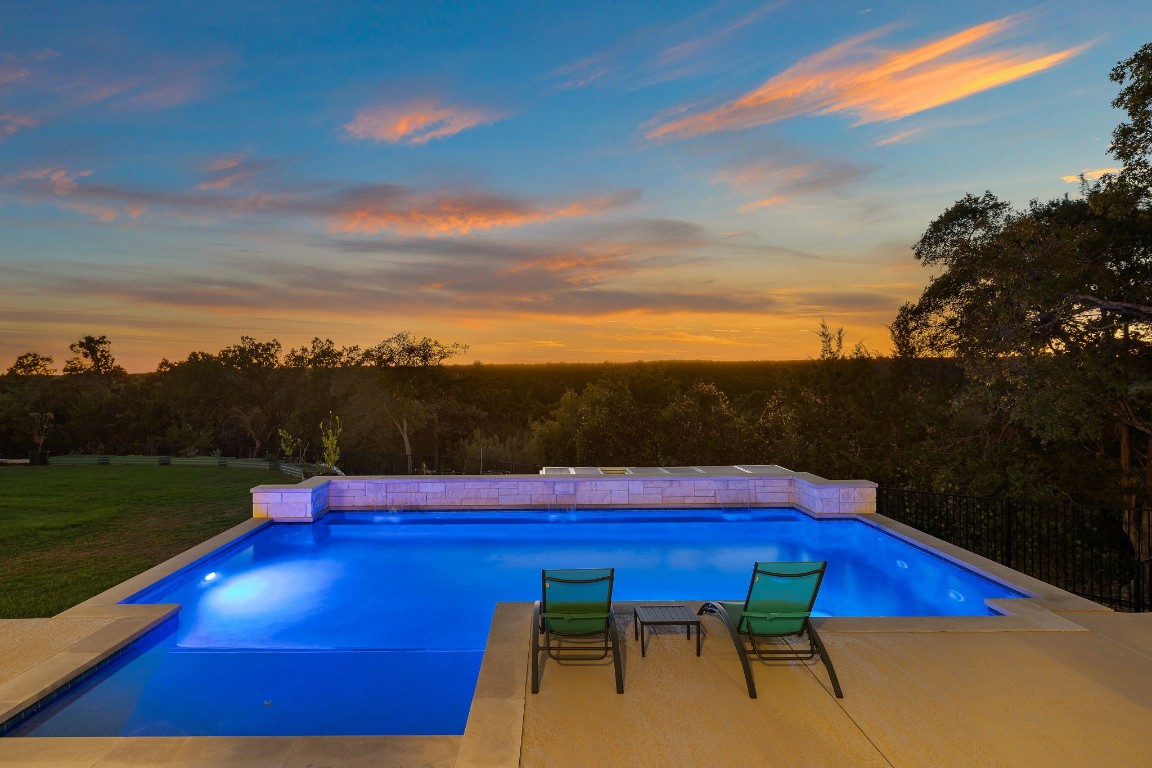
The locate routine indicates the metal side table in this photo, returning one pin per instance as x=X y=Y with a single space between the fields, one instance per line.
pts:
x=664 y=615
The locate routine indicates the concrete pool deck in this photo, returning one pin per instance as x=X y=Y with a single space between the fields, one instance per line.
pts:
x=911 y=699
x=1072 y=697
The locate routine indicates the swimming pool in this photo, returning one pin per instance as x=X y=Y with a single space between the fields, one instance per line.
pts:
x=375 y=623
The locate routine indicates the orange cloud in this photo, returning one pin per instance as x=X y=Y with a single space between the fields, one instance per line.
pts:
x=897 y=138
x=562 y=263
x=417 y=122
x=576 y=269
x=453 y=214
x=1088 y=174
x=873 y=85
x=765 y=203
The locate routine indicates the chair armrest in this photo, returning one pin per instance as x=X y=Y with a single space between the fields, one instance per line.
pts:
x=774 y=616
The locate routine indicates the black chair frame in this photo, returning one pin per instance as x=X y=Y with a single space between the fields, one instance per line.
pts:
x=586 y=646
x=738 y=632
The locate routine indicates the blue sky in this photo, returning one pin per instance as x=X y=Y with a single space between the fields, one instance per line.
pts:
x=543 y=181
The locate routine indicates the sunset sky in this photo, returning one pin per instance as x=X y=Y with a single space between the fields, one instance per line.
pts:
x=543 y=181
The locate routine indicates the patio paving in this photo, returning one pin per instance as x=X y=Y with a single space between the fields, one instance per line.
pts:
x=912 y=699
x=1075 y=696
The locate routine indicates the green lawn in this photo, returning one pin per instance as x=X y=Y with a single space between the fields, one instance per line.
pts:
x=68 y=533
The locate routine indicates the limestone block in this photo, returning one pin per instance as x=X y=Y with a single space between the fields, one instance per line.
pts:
x=857 y=508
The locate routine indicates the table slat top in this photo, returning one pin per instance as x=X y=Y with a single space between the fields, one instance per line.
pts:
x=666 y=614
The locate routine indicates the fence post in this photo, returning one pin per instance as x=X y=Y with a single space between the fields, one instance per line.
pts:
x=1009 y=517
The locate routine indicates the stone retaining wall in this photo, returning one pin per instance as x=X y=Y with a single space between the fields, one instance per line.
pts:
x=709 y=487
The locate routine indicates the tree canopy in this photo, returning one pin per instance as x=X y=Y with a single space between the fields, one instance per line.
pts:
x=93 y=355
x=1049 y=309
x=31 y=364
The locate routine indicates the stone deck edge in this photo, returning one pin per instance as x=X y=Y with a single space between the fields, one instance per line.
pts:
x=733 y=486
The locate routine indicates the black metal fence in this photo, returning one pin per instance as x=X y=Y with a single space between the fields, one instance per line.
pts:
x=1094 y=552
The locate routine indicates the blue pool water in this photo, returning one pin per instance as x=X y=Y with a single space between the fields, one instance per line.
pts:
x=367 y=623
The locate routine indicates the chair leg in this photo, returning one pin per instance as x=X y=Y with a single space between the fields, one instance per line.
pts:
x=826 y=659
x=535 y=650
x=613 y=637
x=719 y=612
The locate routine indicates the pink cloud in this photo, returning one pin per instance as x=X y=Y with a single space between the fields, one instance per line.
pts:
x=224 y=163
x=170 y=94
x=225 y=172
x=873 y=85
x=11 y=123
x=366 y=209
x=223 y=182
x=156 y=85
x=62 y=188
x=12 y=75
x=417 y=122
x=703 y=44
x=662 y=52
x=582 y=73
x=777 y=181
x=55 y=179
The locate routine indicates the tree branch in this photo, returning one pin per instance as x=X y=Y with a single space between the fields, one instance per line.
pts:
x=1141 y=311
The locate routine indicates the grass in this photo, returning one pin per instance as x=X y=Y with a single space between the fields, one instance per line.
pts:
x=69 y=533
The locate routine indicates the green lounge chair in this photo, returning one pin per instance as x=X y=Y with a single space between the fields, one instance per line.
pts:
x=575 y=618
x=779 y=604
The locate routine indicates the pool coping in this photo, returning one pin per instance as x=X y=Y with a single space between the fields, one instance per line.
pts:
x=125 y=623
x=493 y=732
